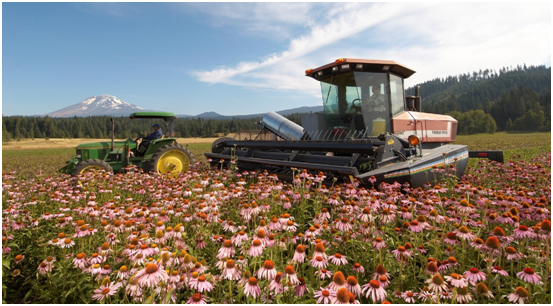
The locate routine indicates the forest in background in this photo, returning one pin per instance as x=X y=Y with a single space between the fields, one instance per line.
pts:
x=511 y=99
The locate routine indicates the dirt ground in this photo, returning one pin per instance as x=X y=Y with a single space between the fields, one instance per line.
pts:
x=61 y=143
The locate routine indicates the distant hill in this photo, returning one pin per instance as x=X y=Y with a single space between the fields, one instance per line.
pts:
x=286 y=112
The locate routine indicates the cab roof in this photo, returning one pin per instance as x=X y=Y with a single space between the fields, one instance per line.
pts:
x=342 y=65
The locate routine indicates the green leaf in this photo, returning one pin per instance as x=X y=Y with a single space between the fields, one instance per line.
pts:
x=27 y=295
x=150 y=299
x=168 y=296
x=6 y=263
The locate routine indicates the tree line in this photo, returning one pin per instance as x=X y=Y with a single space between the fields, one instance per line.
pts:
x=511 y=99
x=17 y=127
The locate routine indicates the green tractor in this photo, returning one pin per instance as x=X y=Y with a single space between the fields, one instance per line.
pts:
x=164 y=156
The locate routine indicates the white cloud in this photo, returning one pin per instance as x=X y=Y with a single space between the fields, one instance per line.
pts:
x=436 y=39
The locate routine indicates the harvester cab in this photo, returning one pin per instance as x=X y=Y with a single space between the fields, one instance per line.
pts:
x=164 y=156
x=369 y=131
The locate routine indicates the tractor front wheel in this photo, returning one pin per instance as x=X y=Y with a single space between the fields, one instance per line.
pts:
x=90 y=164
x=170 y=160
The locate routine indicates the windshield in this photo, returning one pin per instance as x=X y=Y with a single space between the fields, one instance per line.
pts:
x=357 y=101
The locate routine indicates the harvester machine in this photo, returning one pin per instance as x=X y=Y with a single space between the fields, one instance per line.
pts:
x=370 y=131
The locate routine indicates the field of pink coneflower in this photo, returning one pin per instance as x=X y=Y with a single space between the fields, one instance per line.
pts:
x=227 y=236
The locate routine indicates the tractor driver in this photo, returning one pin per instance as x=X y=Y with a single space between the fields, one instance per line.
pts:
x=373 y=107
x=157 y=134
x=376 y=102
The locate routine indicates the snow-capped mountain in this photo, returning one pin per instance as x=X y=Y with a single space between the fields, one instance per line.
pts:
x=103 y=105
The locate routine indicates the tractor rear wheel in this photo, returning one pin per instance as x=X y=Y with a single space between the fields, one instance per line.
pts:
x=171 y=160
x=90 y=164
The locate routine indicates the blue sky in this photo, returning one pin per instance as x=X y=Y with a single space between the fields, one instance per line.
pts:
x=245 y=58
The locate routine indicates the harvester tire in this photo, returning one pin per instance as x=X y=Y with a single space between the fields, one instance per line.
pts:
x=171 y=159
x=90 y=164
x=217 y=148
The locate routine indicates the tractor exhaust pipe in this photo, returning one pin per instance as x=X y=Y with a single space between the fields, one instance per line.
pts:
x=417 y=99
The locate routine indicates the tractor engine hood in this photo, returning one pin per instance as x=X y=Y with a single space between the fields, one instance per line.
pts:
x=100 y=145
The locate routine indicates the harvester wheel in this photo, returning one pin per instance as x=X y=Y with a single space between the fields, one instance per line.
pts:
x=216 y=146
x=171 y=160
x=90 y=164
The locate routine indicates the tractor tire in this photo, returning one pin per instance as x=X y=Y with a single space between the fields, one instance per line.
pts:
x=171 y=160
x=90 y=164
x=217 y=148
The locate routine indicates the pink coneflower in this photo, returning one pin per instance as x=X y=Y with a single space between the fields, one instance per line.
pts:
x=338 y=259
x=474 y=275
x=379 y=243
x=383 y=280
x=323 y=273
x=96 y=269
x=456 y=280
x=123 y=272
x=343 y=225
x=499 y=270
x=483 y=290
x=464 y=233
x=276 y=284
x=522 y=232
x=106 y=269
x=19 y=258
x=290 y=226
x=415 y=227
x=428 y=297
x=226 y=251
x=299 y=254
x=202 y=285
x=374 y=290
x=106 y=290
x=528 y=275
x=320 y=250
x=409 y=296
x=451 y=238
x=151 y=275
x=342 y=296
x=44 y=268
x=478 y=244
x=353 y=286
x=437 y=284
x=318 y=262
x=300 y=289
x=325 y=296
x=197 y=298
x=358 y=268
x=290 y=275
x=268 y=271
x=252 y=288
x=230 y=271
x=401 y=254
x=324 y=215
x=463 y=295
x=240 y=237
x=380 y=271
x=256 y=249
x=80 y=261
x=519 y=296
x=512 y=254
